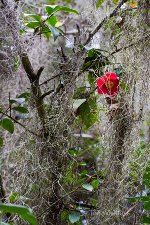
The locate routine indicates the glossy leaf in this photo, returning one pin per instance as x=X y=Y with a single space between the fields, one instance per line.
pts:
x=95 y=59
x=74 y=217
x=139 y=199
x=24 y=212
x=88 y=112
x=46 y=32
x=33 y=16
x=33 y=24
x=52 y=21
x=7 y=124
x=51 y=9
x=54 y=31
x=77 y=103
x=25 y=95
x=20 y=109
x=88 y=187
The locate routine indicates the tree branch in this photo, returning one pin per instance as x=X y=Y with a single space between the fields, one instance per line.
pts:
x=145 y=38
x=47 y=93
x=39 y=72
x=103 y=21
x=27 y=66
x=52 y=78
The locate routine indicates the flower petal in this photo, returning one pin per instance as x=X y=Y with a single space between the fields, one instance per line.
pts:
x=111 y=76
x=102 y=89
x=108 y=84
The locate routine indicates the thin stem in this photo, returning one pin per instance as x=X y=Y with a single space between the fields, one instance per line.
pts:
x=52 y=78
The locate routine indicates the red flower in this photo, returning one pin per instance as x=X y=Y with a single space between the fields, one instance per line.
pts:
x=108 y=84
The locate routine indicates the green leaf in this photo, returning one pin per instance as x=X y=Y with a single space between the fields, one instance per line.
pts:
x=1 y=141
x=147 y=205
x=99 y=3
x=52 y=21
x=64 y=215
x=80 y=93
x=33 y=16
x=84 y=173
x=146 y=220
x=88 y=112
x=115 y=1
x=33 y=24
x=95 y=184
x=46 y=32
x=20 y=109
x=24 y=212
x=51 y=9
x=95 y=60
x=54 y=31
x=74 y=217
x=91 y=79
x=88 y=187
x=13 y=197
x=25 y=95
x=7 y=124
x=78 y=102
x=139 y=199
x=146 y=177
x=68 y=10
x=124 y=86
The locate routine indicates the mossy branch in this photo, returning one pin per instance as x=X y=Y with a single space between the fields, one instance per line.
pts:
x=114 y=12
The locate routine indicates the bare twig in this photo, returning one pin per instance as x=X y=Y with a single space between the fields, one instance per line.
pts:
x=47 y=93
x=129 y=210
x=52 y=78
x=9 y=104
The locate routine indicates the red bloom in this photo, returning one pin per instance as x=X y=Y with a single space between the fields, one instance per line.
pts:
x=108 y=84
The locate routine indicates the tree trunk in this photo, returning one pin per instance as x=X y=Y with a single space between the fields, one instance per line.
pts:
x=124 y=129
